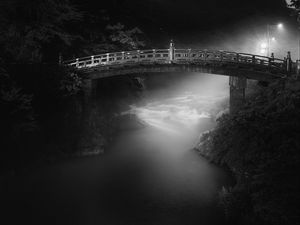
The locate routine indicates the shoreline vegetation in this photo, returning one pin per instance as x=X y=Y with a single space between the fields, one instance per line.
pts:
x=259 y=144
x=50 y=120
x=43 y=107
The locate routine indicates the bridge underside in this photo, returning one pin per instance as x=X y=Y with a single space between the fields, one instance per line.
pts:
x=256 y=72
x=238 y=74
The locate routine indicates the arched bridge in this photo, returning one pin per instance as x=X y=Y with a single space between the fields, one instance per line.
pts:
x=183 y=60
x=238 y=66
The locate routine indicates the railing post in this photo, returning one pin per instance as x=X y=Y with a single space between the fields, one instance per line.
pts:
x=253 y=59
x=60 y=58
x=172 y=51
x=138 y=55
x=237 y=57
x=92 y=60
x=298 y=68
x=123 y=56
x=154 y=51
x=107 y=57
x=271 y=59
x=288 y=62
x=77 y=62
x=221 y=56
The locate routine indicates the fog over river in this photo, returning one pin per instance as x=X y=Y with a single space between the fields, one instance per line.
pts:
x=148 y=175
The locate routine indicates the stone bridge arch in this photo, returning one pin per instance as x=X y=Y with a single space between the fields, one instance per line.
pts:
x=238 y=66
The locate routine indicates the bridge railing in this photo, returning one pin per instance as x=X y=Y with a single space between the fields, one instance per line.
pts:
x=163 y=56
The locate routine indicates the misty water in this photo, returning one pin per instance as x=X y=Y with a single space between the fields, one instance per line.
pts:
x=149 y=174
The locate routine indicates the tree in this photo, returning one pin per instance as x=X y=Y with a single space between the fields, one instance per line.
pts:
x=295 y=6
x=101 y=33
x=17 y=119
x=128 y=38
x=293 y=3
x=27 y=28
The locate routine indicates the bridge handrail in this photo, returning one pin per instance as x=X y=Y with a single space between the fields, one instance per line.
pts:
x=261 y=56
x=179 y=55
x=156 y=50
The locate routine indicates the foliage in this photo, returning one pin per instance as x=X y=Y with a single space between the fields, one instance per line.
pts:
x=129 y=38
x=17 y=118
x=70 y=83
x=29 y=27
x=16 y=106
x=102 y=34
x=295 y=6
x=260 y=144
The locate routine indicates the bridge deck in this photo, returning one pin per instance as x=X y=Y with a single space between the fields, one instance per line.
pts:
x=141 y=60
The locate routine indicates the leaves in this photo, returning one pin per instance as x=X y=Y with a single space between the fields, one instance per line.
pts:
x=70 y=84
x=129 y=38
x=260 y=144
x=16 y=113
x=26 y=26
x=295 y=6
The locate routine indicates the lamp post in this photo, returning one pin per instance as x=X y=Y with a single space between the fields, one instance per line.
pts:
x=294 y=5
x=269 y=38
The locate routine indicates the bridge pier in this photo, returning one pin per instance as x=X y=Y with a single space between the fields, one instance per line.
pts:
x=237 y=92
x=90 y=140
x=88 y=88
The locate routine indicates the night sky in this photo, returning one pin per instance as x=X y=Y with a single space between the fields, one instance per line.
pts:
x=186 y=15
x=210 y=24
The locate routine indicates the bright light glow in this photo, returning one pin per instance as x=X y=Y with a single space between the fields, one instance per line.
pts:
x=264 y=45
x=273 y=39
x=173 y=114
x=262 y=51
x=280 y=26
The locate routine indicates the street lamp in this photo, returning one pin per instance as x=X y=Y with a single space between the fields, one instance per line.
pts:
x=269 y=38
x=292 y=5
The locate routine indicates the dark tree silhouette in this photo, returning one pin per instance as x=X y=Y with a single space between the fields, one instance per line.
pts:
x=27 y=28
x=295 y=6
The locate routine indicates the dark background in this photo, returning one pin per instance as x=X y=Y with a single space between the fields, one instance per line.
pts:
x=216 y=24
x=175 y=17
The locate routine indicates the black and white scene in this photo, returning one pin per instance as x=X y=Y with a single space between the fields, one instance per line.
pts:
x=149 y=112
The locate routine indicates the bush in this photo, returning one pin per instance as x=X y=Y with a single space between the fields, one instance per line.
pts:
x=260 y=144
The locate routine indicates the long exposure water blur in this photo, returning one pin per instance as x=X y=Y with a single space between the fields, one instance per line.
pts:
x=149 y=174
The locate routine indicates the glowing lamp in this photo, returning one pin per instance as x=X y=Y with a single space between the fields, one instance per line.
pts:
x=263 y=45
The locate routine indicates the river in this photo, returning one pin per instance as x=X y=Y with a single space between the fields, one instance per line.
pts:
x=148 y=175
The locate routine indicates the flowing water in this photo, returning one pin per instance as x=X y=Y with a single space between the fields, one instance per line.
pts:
x=149 y=174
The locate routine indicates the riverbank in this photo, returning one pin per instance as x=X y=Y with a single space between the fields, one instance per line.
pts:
x=260 y=145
